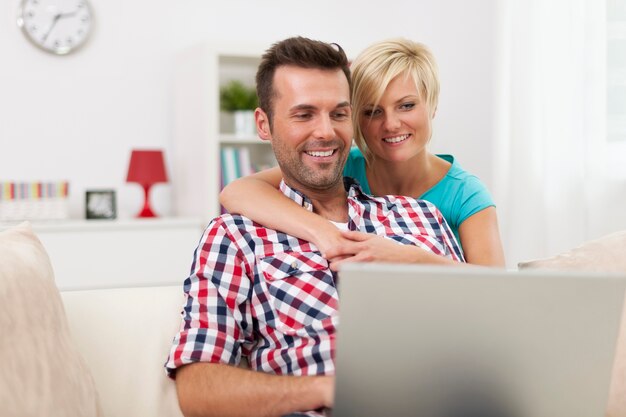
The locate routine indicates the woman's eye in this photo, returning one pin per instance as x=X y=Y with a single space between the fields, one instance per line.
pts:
x=371 y=112
x=407 y=106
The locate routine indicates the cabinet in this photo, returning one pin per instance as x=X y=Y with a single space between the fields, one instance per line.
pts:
x=122 y=253
x=202 y=133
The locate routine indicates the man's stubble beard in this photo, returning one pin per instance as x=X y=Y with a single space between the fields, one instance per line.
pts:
x=296 y=172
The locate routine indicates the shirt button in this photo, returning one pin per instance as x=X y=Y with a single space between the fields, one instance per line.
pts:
x=294 y=265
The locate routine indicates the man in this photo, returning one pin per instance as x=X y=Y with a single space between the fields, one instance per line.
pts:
x=261 y=294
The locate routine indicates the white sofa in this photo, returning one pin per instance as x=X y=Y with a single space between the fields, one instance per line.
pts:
x=101 y=352
x=124 y=335
x=85 y=353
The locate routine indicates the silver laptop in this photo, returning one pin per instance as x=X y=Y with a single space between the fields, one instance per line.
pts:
x=452 y=342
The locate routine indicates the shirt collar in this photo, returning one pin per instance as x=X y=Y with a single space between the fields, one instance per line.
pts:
x=350 y=184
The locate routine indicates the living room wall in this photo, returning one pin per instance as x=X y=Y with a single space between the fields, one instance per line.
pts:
x=77 y=117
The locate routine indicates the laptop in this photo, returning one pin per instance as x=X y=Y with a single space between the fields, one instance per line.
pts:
x=476 y=342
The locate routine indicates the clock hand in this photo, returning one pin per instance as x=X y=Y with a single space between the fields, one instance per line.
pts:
x=62 y=15
x=54 y=22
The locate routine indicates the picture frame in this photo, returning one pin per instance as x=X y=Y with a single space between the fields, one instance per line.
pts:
x=100 y=204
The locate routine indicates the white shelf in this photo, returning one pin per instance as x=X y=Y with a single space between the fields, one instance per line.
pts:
x=77 y=225
x=232 y=139
x=201 y=130
x=133 y=252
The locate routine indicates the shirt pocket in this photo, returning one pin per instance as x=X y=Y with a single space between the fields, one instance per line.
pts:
x=300 y=288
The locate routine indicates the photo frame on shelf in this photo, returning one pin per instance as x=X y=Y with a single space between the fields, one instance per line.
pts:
x=100 y=204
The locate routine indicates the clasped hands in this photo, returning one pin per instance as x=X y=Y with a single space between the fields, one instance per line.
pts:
x=351 y=246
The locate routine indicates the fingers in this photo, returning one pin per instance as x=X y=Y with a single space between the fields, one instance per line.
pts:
x=356 y=236
x=342 y=250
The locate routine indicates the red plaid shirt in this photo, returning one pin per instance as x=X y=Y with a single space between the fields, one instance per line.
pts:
x=271 y=297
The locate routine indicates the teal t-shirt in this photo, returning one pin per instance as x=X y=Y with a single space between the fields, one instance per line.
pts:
x=458 y=195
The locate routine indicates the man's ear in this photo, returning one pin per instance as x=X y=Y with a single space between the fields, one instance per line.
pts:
x=262 y=124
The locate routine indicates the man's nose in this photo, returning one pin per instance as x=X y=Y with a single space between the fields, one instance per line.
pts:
x=325 y=128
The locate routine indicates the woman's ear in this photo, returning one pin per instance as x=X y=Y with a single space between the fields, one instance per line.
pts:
x=434 y=113
x=262 y=124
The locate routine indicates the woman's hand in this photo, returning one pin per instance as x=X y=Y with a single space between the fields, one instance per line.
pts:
x=367 y=247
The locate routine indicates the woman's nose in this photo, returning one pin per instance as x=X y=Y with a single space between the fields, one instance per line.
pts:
x=391 y=121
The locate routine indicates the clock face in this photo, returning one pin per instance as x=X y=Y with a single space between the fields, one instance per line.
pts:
x=56 y=26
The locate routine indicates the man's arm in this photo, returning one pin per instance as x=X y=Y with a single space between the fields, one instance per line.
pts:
x=210 y=389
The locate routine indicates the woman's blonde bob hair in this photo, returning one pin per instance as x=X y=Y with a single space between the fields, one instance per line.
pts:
x=378 y=64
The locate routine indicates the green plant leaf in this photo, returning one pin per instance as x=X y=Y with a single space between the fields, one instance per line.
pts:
x=237 y=96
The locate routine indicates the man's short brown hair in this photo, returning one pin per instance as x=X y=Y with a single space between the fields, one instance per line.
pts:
x=299 y=52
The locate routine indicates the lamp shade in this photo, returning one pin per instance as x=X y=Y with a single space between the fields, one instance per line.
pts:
x=146 y=167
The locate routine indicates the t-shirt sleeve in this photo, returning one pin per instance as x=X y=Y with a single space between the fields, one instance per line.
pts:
x=475 y=197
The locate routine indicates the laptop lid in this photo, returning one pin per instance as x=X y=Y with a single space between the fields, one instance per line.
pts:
x=474 y=342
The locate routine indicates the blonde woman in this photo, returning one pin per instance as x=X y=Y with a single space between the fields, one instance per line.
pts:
x=395 y=90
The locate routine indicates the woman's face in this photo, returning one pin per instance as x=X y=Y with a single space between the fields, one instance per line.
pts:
x=399 y=127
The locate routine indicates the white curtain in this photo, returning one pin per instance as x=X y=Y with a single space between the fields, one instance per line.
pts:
x=549 y=122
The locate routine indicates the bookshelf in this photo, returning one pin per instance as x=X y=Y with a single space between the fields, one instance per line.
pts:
x=203 y=136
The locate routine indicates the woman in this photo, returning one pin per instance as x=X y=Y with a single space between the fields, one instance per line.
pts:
x=394 y=99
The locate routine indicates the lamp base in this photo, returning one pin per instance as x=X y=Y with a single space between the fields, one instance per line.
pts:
x=147 y=210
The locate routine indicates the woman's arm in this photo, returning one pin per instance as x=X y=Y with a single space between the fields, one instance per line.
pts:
x=258 y=198
x=480 y=238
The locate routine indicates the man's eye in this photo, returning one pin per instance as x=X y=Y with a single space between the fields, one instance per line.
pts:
x=303 y=116
x=340 y=115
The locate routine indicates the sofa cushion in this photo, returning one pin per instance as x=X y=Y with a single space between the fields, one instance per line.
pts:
x=125 y=335
x=43 y=374
x=606 y=254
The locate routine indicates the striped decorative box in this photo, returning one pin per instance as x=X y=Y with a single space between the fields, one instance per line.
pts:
x=34 y=200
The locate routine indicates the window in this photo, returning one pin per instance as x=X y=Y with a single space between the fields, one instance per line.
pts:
x=616 y=88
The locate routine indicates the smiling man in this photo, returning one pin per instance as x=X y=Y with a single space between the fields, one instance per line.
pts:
x=271 y=298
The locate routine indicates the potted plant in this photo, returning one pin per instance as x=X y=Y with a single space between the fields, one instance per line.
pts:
x=240 y=100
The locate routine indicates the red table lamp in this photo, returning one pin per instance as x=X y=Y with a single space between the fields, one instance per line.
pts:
x=146 y=168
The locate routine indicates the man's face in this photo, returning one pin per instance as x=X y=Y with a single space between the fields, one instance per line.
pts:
x=311 y=131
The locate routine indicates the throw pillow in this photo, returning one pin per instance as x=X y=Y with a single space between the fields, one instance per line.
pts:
x=606 y=254
x=42 y=373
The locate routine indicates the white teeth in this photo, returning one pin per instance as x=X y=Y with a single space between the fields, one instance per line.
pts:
x=396 y=139
x=320 y=153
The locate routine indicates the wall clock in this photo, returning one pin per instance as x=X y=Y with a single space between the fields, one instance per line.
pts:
x=56 y=26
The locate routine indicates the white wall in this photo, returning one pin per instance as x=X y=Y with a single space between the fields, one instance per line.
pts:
x=77 y=117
